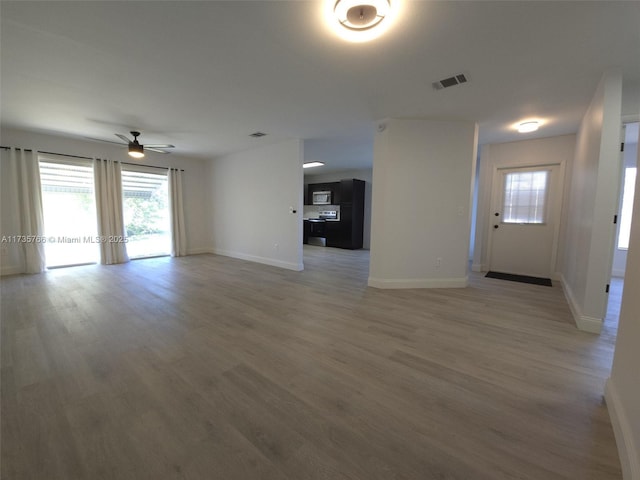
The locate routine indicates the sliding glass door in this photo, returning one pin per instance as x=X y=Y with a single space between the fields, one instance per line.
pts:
x=69 y=209
x=146 y=213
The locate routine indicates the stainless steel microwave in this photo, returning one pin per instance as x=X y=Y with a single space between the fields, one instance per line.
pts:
x=321 y=198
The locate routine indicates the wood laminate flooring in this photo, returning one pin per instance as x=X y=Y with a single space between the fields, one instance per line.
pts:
x=207 y=367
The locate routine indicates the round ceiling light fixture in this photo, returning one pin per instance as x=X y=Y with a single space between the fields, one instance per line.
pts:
x=361 y=15
x=360 y=20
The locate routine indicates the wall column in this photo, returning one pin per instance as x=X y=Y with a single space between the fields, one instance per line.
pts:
x=423 y=172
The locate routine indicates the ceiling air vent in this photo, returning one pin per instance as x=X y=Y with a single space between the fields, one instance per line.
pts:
x=450 y=82
x=257 y=134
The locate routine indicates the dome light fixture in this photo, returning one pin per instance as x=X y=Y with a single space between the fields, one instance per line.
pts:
x=360 y=20
x=526 y=127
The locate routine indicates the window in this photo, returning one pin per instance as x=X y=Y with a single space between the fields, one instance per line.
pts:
x=525 y=195
x=628 y=191
x=146 y=213
x=68 y=204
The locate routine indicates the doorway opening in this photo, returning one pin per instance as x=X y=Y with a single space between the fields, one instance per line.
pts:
x=342 y=223
x=627 y=193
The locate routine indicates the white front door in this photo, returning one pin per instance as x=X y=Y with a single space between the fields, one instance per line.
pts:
x=525 y=218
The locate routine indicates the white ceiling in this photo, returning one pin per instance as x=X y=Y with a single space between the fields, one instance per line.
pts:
x=204 y=75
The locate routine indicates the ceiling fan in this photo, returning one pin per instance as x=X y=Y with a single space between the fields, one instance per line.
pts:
x=136 y=149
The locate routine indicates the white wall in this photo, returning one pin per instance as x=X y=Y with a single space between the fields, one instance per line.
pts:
x=196 y=218
x=362 y=174
x=593 y=198
x=421 y=208
x=251 y=193
x=623 y=387
x=551 y=150
x=620 y=256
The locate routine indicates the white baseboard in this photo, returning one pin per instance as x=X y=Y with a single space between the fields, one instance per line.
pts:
x=199 y=251
x=9 y=270
x=264 y=260
x=477 y=267
x=418 y=282
x=628 y=452
x=583 y=322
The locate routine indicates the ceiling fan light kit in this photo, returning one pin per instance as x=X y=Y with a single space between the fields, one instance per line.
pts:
x=135 y=149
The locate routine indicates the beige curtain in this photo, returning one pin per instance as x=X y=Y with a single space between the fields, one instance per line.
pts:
x=24 y=165
x=178 y=232
x=108 y=186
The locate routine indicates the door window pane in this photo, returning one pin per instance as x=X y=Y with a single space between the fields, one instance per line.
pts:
x=627 y=207
x=146 y=213
x=525 y=195
x=68 y=204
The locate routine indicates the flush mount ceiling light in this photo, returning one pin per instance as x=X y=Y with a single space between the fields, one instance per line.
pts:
x=360 y=20
x=361 y=14
x=312 y=164
x=526 y=127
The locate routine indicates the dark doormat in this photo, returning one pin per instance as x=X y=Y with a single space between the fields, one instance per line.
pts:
x=546 y=282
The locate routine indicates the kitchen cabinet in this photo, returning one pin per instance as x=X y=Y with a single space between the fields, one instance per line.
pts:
x=335 y=234
x=346 y=190
x=333 y=187
x=351 y=213
x=306 y=229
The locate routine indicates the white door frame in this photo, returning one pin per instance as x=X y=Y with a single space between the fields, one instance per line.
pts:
x=495 y=184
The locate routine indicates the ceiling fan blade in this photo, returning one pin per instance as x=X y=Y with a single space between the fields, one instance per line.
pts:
x=159 y=146
x=106 y=141
x=155 y=150
x=122 y=137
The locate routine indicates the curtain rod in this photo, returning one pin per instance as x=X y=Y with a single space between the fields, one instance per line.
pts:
x=150 y=166
x=90 y=158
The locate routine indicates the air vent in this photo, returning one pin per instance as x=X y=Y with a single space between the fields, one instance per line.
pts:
x=257 y=134
x=450 y=82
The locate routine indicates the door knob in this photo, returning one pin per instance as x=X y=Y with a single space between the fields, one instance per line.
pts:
x=495 y=226
x=497 y=214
